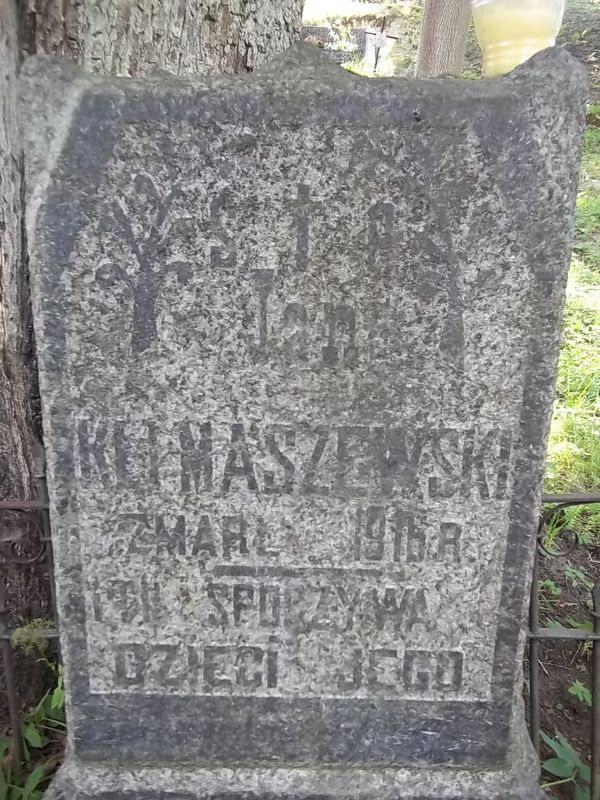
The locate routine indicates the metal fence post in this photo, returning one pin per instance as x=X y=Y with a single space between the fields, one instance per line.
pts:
x=596 y=696
x=534 y=655
x=538 y=634
x=8 y=663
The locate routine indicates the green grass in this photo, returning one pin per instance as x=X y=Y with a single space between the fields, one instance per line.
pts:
x=591 y=162
x=574 y=450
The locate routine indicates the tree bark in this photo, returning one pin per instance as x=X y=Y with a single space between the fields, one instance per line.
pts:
x=124 y=37
x=26 y=584
x=443 y=41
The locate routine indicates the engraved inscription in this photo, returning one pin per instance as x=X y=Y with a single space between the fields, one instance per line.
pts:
x=221 y=669
x=223 y=254
x=303 y=207
x=291 y=559
x=353 y=461
x=271 y=580
x=293 y=511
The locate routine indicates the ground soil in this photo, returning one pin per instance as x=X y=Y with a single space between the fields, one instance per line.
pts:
x=562 y=663
x=580 y=33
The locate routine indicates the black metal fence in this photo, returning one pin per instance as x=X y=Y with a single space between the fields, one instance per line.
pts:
x=36 y=550
x=568 y=540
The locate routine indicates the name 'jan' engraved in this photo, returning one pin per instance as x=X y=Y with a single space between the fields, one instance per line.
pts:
x=320 y=460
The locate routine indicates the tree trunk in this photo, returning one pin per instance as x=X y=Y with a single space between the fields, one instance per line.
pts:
x=443 y=41
x=26 y=584
x=124 y=37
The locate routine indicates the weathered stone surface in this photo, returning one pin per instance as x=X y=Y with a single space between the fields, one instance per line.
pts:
x=297 y=338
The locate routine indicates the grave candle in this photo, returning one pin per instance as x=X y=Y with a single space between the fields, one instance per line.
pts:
x=511 y=31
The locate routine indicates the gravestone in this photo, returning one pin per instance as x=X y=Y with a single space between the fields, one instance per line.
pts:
x=297 y=337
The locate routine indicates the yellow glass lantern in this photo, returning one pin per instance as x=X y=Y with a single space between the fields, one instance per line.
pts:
x=511 y=31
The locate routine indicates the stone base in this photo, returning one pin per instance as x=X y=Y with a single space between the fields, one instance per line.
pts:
x=82 y=781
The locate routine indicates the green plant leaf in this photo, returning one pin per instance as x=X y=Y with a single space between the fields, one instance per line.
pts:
x=581 y=692
x=552 y=744
x=32 y=735
x=33 y=781
x=582 y=793
x=26 y=751
x=550 y=587
x=581 y=625
x=585 y=772
x=58 y=698
x=4 y=781
x=5 y=745
x=559 y=767
x=577 y=577
x=564 y=751
x=570 y=755
x=38 y=713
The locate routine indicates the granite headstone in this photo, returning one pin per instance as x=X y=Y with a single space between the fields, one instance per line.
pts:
x=297 y=337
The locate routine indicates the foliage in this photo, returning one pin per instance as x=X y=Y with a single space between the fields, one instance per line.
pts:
x=581 y=625
x=567 y=766
x=27 y=781
x=591 y=147
x=570 y=622
x=581 y=692
x=548 y=592
x=549 y=587
x=401 y=57
x=400 y=20
x=593 y=115
x=574 y=449
x=577 y=577
x=352 y=12
x=585 y=647
x=358 y=68
x=588 y=203
x=31 y=638
x=15 y=783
